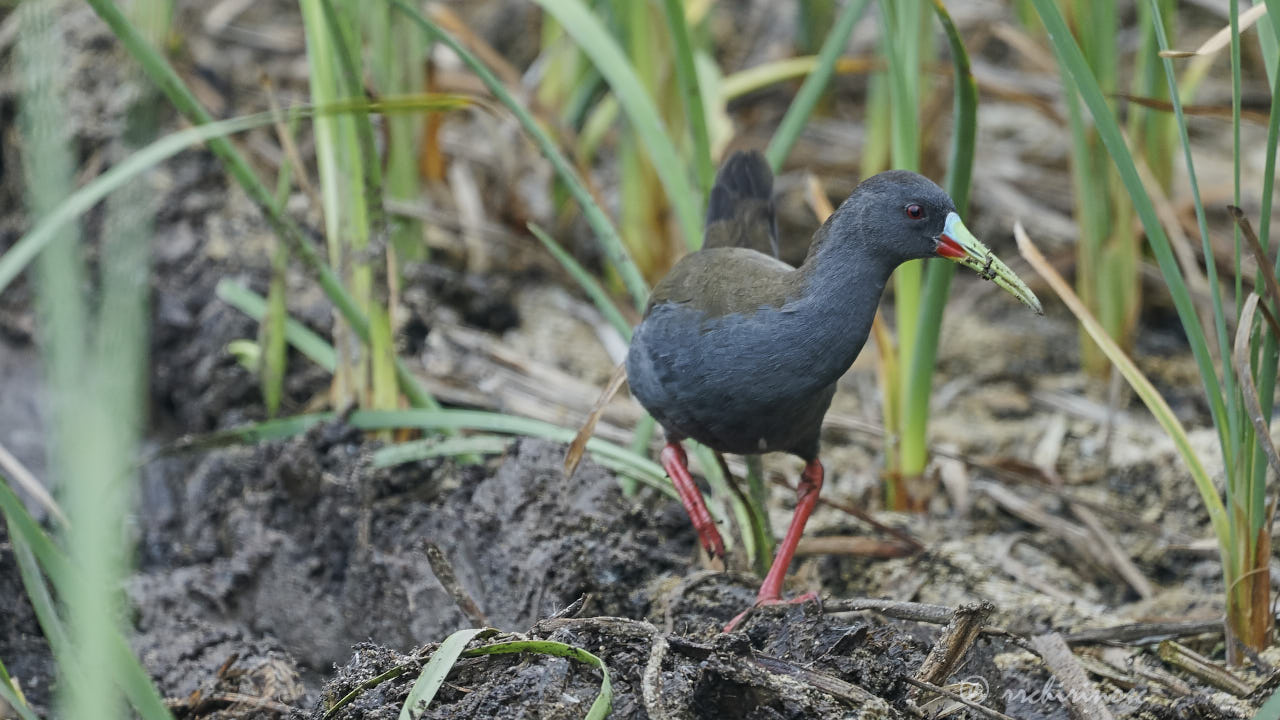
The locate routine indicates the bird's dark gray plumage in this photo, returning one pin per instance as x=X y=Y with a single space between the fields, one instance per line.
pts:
x=740 y=351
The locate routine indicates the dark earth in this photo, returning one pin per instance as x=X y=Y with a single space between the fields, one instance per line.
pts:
x=278 y=579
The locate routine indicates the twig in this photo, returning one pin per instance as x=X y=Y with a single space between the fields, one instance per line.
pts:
x=651 y=681
x=449 y=581
x=1143 y=633
x=829 y=684
x=206 y=704
x=25 y=480
x=1259 y=255
x=579 y=445
x=573 y=609
x=1078 y=537
x=923 y=685
x=1111 y=550
x=1080 y=695
x=918 y=612
x=1190 y=661
x=856 y=545
x=851 y=424
x=957 y=637
x=1026 y=575
x=603 y=625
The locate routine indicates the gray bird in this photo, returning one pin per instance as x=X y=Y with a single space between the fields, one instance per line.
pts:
x=741 y=352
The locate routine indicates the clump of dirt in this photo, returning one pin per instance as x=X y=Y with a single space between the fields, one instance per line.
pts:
x=301 y=545
x=792 y=662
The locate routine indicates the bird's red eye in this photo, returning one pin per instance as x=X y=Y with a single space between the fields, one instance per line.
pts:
x=915 y=212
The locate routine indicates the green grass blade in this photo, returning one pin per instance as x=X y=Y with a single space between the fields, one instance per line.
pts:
x=20 y=255
x=1211 y=270
x=372 y=224
x=401 y=453
x=965 y=121
x=1236 y=100
x=82 y=455
x=937 y=286
x=640 y=438
x=13 y=696
x=758 y=77
x=25 y=535
x=630 y=470
x=9 y=696
x=900 y=42
x=251 y=433
x=314 y=347
x=1071 y=59
x=798 y=114
x=1266 y=372
x=592 y=287
x=604 y=700
x=32 y=545
x=21 y=525
x=133 y=679
x=636 y=465
x=433 y=674
x=759 y=494
x=342 y=164
x=398 y=55
x=615 y=457
x=599 y=45
x=720 y=489
x=272 y=330
x=271 y=327
x=161 y=73
x=687 y=77
x=606 y=233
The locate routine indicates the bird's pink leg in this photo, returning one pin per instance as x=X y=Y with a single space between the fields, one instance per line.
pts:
x=771 y=590
x=676 y=463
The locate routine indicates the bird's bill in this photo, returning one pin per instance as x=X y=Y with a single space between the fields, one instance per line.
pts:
x=958 y=244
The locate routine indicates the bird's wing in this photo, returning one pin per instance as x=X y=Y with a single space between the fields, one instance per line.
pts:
x=727 y=280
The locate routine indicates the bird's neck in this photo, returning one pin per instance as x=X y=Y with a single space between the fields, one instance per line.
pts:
x=843 y=283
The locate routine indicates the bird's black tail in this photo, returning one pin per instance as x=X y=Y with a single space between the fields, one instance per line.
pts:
x=740 y=210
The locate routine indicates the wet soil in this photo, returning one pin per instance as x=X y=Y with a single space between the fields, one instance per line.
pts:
x=273 y=580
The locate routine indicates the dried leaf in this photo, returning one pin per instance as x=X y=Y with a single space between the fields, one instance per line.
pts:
x=1247 y=388
x=1222 y=38
x=579 y=444
x=1259 y=254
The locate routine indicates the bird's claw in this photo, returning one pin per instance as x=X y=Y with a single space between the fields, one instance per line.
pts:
x=711 y=541
x=765 y=602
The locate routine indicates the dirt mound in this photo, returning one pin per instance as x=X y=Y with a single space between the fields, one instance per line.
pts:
x=792 y=662
x=301 y=544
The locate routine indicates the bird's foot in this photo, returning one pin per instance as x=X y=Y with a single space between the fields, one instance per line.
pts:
x=711 y=541
x=768 y=601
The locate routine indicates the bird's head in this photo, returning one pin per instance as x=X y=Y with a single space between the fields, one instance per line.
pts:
x=906 y=216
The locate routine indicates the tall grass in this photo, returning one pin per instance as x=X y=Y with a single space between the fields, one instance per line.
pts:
x=1108 y=251
x=921 y=287
x=1240 y=386
x=397 y=62
x=94 y=356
